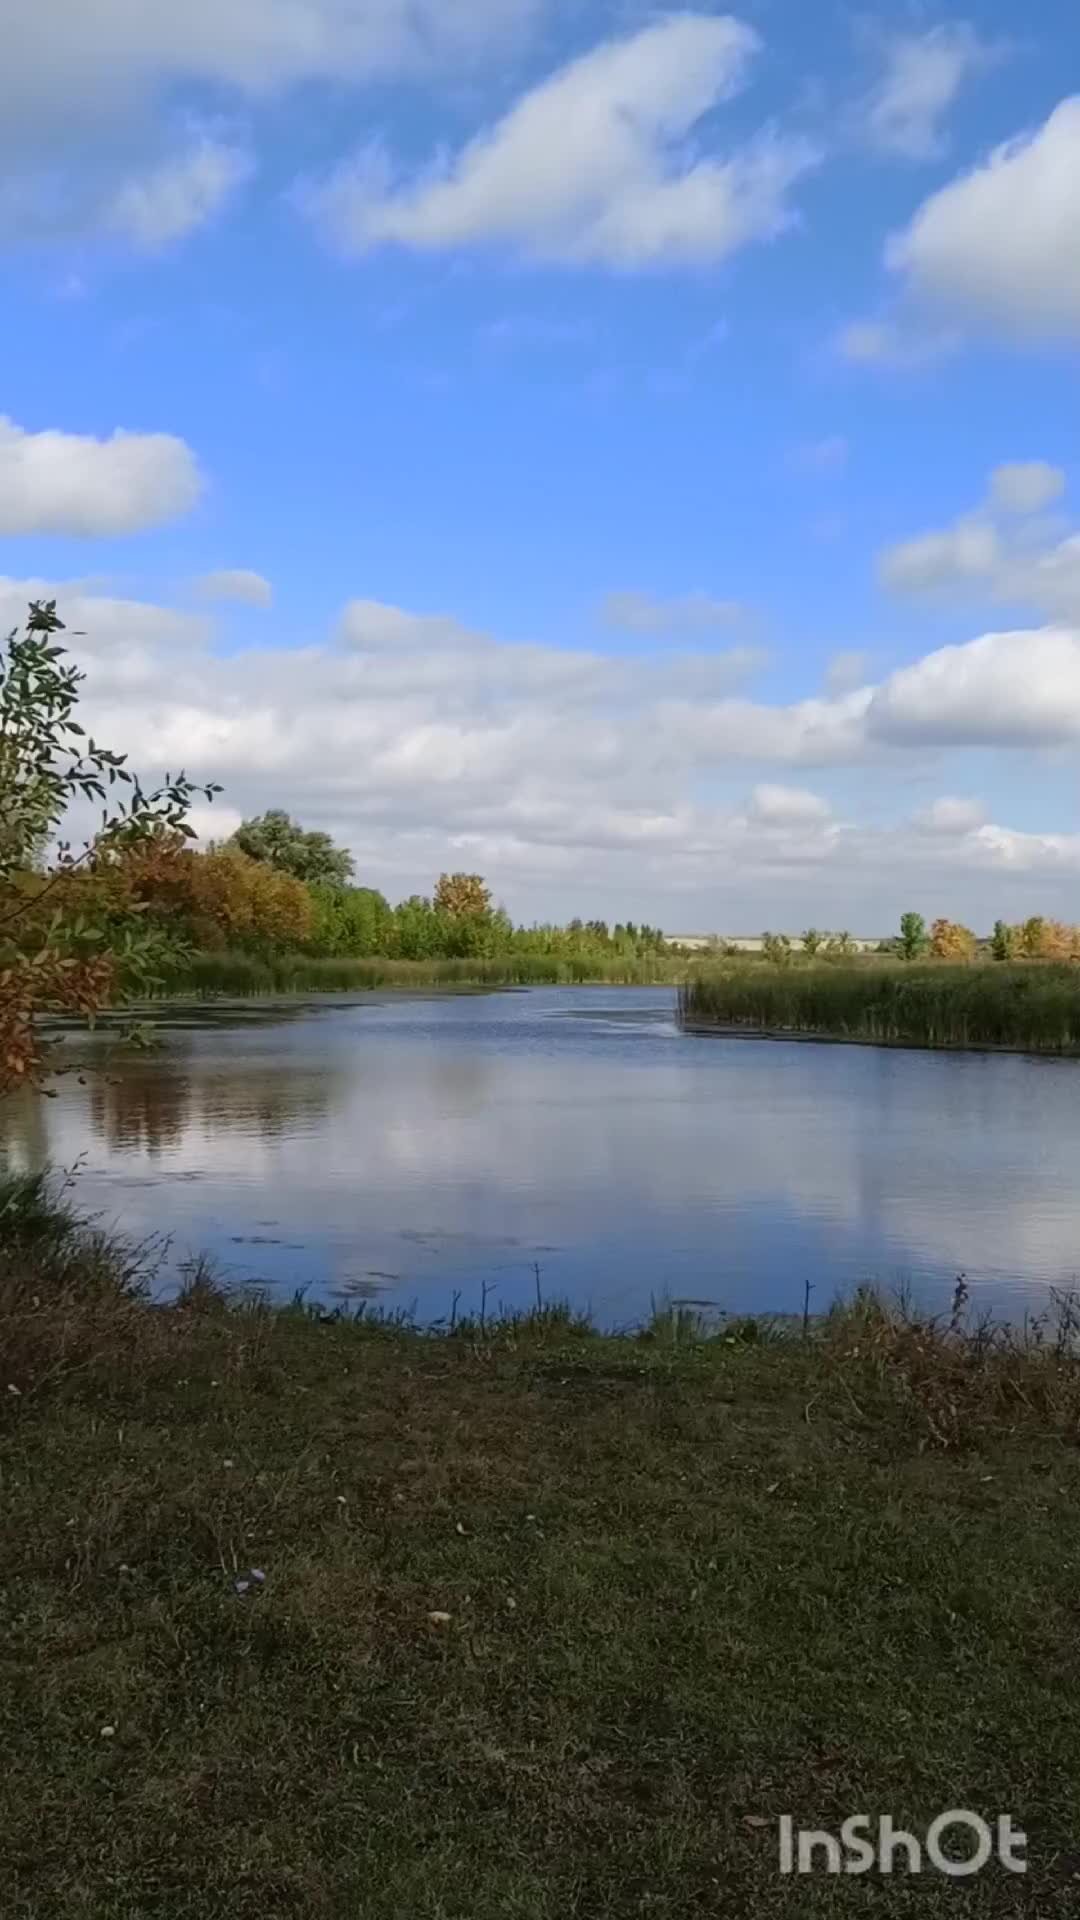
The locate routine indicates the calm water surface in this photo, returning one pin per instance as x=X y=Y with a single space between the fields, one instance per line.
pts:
x=405 y=1148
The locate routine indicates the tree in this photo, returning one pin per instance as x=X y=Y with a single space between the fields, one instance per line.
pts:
x=68 y=941
x=281 y=842
x=350 y=920
x=1003 y=941
x=1030 y=937
x=462 y=896
x=950 y=941
x=912 y=935
x=812 y=941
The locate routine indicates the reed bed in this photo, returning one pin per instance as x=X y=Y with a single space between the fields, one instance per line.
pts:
x=1026 y=1008
x=238 y=974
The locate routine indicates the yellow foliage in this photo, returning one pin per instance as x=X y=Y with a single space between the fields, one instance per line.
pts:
x=463 y=895
x=223 y=895
x=950 y=941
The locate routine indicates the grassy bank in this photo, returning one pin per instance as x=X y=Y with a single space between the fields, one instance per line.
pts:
x=325 y=1618
x=244 y=973
x=1033 y=1008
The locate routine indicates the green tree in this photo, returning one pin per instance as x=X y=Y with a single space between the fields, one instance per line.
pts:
x=277 y=839
x=1031 y=937
x=812 y=942
x=912 y=935
x=1003 y=940
x=67 y=940
x=351 y=920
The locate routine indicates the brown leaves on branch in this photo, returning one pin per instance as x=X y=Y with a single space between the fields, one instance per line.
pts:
x=72 y=938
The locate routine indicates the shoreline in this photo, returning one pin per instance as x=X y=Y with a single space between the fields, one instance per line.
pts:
x=718 y=1030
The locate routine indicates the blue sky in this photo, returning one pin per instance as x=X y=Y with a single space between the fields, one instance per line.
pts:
x=632 y=452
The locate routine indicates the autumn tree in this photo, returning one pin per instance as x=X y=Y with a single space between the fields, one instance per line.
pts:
x=66 y=944
x=951 y=941
x=1030 y=937
x=463 y=896
x=219 y=898
x=1055 y=940
x=280 y=842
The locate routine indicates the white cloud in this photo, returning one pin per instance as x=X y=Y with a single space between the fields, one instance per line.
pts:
x=571 y=776
x=1004 y=689
x=773 y=806
x=183 y=193
x=1000 y=246
x=952 y=814
x=968 y=551
x=924 y=73
x=108 y=77
x=236 y=583
x=635 y=612
x=1025 y=486
x=116 y=55
x=593 y=165
x=1000 y=552
x=70 y=483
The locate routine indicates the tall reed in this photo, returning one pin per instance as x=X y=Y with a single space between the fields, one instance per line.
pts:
x=242 y=974
x=1031 y=1008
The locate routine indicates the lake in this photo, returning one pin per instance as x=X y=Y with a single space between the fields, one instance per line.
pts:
x=403 y=1149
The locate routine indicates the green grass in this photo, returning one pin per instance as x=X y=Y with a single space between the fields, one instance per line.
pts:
x=243 y=973
x=552 y=1624
x=1034 y=1008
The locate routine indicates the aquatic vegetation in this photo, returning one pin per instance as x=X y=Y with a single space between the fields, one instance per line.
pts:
x=1032 y=1008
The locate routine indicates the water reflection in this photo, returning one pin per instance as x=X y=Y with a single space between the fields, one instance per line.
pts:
x=412 y=1148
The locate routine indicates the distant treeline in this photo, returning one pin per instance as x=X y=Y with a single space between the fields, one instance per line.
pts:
x=1038 y=938
x=275 y=908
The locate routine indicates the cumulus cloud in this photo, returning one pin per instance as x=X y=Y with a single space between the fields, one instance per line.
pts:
x=774 y=806
x=71 y=483
x=593 y=165
x=236 y=583
x=113 y=55
x=1001 y=551
x=567 y=774
x=1026 y=486
x=952 y=814
x=923 y=75
x=1000 y=246
x=1004 y=689
x=107 y=78
x=968 y=551
x=635 y=612
x=185 y=192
